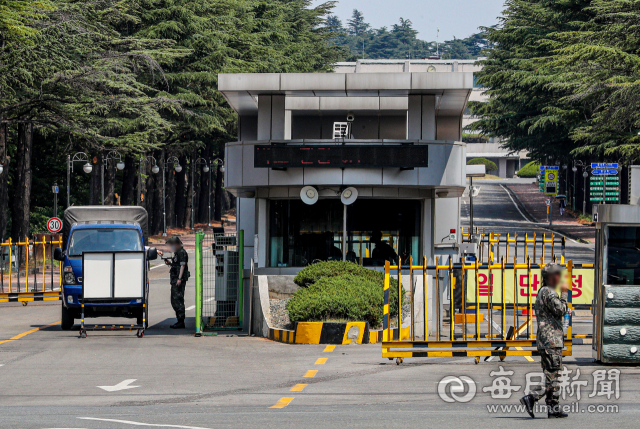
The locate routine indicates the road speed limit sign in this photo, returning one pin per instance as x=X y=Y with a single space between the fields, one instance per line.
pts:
x=54 y=225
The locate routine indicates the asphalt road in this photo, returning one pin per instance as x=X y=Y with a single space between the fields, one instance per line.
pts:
x=494 y=209
x=53 y=379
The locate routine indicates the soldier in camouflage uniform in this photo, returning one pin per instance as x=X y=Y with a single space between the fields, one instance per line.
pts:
x=550 y=311
x=178 y=276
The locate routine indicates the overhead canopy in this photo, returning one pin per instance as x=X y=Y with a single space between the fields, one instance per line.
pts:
x=105 y=215
x=242 y=90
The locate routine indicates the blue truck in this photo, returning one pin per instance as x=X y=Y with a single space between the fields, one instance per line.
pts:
x=100 y=229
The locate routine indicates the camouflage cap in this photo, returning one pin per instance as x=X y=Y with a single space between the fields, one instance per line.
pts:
x=174 y=240
x=551 y=269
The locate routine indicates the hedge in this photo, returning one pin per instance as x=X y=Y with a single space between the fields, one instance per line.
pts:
x=319 y=270
x=491 y=166
x=529 y=170
x=343 y=297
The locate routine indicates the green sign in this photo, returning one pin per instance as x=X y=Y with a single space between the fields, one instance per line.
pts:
x=599 y=198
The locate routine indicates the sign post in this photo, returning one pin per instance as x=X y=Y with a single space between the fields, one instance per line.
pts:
x=55 y=190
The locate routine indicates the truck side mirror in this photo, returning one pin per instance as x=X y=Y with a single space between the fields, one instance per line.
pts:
x=152 y=254
x=58 y=255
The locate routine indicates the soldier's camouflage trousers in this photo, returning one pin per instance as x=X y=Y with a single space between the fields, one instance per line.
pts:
x=551 y=360
x=177 y=298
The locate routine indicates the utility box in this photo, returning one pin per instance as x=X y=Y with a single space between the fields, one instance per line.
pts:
x=227 y=271
x=616 y=306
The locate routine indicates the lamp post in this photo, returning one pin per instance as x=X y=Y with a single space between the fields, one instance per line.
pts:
x=216 y=161
x=155 y=169
x=87 y=168
x=573 y=191
x=105 y=159
x=178 y=168
x=205 y=169
x=584 y=194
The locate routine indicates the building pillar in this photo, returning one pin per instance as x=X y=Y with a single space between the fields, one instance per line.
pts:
x=428 y=117
x=502 y=168
x=264 y=117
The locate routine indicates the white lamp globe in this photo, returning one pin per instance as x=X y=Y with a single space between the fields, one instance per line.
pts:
x=120 y=165
x=205 y=168
x=178 y=168
x=87 y=168
x=155 y=169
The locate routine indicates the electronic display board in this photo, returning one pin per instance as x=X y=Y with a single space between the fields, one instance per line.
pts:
x=342 y=156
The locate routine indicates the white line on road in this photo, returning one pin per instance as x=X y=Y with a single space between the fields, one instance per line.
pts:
x=123 y=385
x=158 y=266
x=128 y=422
x=514 y=203
x=193 y=306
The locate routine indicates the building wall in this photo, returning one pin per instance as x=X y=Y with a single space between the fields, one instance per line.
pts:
x=364 y=127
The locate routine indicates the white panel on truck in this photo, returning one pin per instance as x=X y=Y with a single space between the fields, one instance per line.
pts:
x=129 y=275
x=97 y=275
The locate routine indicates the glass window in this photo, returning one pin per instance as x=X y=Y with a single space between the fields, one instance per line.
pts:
x=104 y=240
x=623 y=256
x=377 y=230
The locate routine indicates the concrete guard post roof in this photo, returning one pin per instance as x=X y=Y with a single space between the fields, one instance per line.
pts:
x=451 y=89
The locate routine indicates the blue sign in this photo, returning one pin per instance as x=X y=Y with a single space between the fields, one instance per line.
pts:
x=603 y=165
x=542 y=167
x=604 y=172
x=553 y=168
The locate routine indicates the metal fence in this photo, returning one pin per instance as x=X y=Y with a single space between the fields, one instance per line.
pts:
x=490 y=318
x=28 y=271
x=219 y=288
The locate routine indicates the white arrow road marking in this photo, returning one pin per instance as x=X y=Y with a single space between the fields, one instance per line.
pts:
x=120 y=386
x=128 y=422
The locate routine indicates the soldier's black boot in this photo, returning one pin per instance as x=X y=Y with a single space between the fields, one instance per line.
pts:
x=178 y=325
x=528 y=402
x=554 y=412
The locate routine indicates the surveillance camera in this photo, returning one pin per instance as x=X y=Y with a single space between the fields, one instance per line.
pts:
x=351 y=117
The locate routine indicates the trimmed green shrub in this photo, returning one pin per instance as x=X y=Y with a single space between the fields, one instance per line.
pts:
x=529 y=170
x=319 y=270
x=343 y=297
x=490 y=165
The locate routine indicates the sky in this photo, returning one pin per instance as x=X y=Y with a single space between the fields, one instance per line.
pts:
x=459 y=18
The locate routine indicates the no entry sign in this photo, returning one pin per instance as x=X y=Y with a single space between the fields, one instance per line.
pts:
x=54 y=225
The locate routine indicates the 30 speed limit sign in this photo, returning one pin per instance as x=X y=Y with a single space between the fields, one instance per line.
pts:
x=54 y=225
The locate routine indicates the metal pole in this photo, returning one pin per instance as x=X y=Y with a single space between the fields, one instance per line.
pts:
x=164 y=211
x=573 y=193
x=471 y=205
x=102 y=180
x=584 y=197
x=344 y=233
x=68 y=179
x=193 y=192
x=550 y=213
x=209 y=218
x=55 y=207
x=140 y=183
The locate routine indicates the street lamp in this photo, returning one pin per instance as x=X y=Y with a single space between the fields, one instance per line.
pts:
x=155 y=169
x=573 y=191
x=87 y=168
x=206 y=169
x=105 y=159
x=584 y=194
x=178 y=168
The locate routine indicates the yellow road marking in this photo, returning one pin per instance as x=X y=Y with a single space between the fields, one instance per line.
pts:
x=329 y=349
x=298 y=387
x=311 y=373
x=321 y=361
x=24 y=334
x=529 y=358
x=282 y=402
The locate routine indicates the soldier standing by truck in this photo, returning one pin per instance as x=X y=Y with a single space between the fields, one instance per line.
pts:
x=550 y=311
x=178 y=276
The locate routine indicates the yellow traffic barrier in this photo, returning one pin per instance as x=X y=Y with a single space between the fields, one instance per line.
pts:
x=487 y=293
x=29 y=255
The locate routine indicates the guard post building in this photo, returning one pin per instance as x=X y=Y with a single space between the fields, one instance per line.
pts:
x=327 y=165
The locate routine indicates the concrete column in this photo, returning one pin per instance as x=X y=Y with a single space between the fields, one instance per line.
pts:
x=246 y=220
x=287 y=124
x=264 y=117
x=262 y=231
x=428 y=229
x=277 y=117
x=502 y=167
x=414 y=118
x=428 y=117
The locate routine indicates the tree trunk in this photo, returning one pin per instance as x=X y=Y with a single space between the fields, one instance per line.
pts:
x=4 y=197
x=21 y=204
x=203 y=197
x=190 y=194
x=130 y=182
x=218 y=195
x=95 y=182
x=110 y=183
x=171 y=195
x=181 y=202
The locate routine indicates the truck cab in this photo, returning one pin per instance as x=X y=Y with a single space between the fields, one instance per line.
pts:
x=99 y=229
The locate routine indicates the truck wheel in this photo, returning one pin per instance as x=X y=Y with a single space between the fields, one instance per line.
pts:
x=67 y=319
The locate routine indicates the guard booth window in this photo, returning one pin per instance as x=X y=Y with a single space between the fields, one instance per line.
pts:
x=623 y=256
x=300 y=234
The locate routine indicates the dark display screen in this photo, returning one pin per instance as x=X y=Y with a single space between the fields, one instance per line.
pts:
x=343 y=156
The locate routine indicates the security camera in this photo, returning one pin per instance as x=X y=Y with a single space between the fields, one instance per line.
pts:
x=351 y=117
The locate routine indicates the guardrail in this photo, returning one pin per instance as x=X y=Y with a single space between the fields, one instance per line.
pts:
x=29 y=255
x=508 y=287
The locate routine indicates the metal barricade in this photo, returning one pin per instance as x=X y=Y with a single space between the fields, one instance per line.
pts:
x=219 y=287
x=30 y=256
x=495 y=299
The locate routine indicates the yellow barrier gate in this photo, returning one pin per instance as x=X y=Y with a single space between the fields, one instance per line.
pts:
x=29 y=255
x=479 y=293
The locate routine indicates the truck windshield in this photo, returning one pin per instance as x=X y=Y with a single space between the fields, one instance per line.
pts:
x=104 y=240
